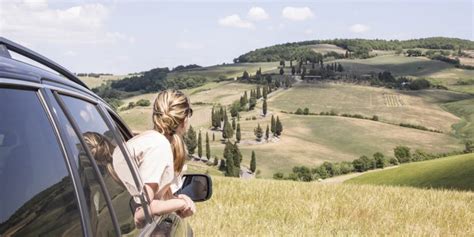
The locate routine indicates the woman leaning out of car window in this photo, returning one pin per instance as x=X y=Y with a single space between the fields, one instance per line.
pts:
x=160 y=154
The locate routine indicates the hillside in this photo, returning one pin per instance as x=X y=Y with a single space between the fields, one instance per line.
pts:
x=284 y=208
x=360 y=47
x=456 y=172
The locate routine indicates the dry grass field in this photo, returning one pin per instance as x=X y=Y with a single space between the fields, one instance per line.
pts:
x=285 y=208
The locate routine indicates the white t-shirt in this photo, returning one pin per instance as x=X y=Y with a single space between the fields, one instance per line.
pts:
x=152 y=153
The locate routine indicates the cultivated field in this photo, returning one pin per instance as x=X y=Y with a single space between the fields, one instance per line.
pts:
x=455 y=172
x=417 y=67
x=415 y=107
x=284 y=208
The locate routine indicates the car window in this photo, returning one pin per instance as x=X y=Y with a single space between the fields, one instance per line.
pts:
x=101 y=143
x=37 y=195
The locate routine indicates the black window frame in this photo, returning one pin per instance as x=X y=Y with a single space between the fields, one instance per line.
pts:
x=77 y=130
x=41 y=95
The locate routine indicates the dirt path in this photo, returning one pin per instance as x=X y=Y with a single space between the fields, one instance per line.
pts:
x=340 y=179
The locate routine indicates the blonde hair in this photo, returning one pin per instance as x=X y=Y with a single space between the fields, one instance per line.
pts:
x=170 y=110
x=101 y=149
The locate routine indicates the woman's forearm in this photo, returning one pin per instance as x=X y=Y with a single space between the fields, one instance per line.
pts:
x=160 y=207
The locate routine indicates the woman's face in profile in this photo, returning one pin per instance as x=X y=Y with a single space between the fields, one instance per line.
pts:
x=183 y=127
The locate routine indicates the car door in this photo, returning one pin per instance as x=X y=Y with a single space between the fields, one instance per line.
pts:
x=38 y=192
x=91 y=140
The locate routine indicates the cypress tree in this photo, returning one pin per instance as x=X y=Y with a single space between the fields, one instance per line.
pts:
x=213 y=137
x=237 y=134
x=199 y=144
x=221 y=114
x=258 y=133
x=278 y=127
x=208 y=147
x=264 y=107
x=190 y=140
x=253 y=163
x=259 y=95
x=264 y=92
x=237 y=157
x=227 y=131
x=273 y=127
x=213 y=118
x=229 y=160
x=267 y=133
x=233 y=124
x=245 y=98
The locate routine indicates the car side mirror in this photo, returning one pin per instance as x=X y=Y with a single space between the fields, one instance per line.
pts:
x=198 y=187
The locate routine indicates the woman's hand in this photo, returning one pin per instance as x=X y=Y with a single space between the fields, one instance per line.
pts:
x=189 y=209
x=139 y=218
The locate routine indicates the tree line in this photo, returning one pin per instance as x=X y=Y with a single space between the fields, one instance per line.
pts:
x=358 y=47
x=402 y=154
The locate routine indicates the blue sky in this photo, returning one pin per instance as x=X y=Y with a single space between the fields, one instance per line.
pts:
x=131 y=36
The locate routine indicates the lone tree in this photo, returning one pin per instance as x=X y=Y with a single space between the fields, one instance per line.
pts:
x=282 y=71
x=258 y=132
x=253 y=163
x=233 y=124
x=213 y=137
x=402 y=153
x=237 y=133
x=278 y=127
x=264 y=92
x=273 y=127
x=264 y=107
x=208 y=147
x=293 y=70
x=267 y=133
x=199 y=144
x=190 y=140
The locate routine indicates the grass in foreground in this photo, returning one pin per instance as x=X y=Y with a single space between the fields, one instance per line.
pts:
x=455 y=172
x=284 y=208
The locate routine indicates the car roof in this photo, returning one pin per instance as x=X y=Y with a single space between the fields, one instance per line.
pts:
x=19 y=70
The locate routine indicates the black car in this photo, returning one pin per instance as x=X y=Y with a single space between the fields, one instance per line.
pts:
x=51 y=184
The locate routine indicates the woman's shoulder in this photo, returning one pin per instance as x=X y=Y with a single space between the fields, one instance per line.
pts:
x=149 y=137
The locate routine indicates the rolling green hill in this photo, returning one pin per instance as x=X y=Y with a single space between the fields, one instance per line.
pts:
x=455 y=172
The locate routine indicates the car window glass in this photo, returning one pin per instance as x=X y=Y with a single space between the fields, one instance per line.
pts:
x=37 y=195
x=102 y=143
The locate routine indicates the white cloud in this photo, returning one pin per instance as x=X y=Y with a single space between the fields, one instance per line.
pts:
x=359 y=28
x=189 y=45
x=235 y=21
x=297 y=13
x=257 y=14
x=35 y=21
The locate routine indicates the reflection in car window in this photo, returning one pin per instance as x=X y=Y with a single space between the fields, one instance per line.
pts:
x=37 y=196
x=101 y=143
